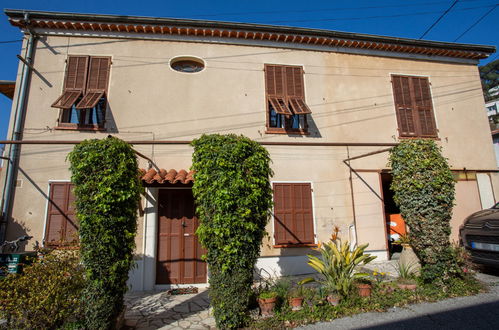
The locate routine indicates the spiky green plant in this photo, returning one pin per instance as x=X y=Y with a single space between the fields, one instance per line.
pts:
x=337 y=265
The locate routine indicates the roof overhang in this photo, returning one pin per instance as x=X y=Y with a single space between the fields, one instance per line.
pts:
x=245 y=31
x=7 y=88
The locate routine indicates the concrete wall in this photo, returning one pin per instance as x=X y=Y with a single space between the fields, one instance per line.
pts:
x=350 y=97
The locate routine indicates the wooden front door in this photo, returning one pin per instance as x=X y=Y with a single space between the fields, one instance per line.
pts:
x=179 y=252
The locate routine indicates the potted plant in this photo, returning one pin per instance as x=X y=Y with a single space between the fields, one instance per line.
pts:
x=337 y=264
x=406 y=276
x=333 y=298
x=364 y=287
x=295 y=298
x=267 y=301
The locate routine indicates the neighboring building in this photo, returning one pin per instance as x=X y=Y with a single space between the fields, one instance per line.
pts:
x=313 y=98
x=492 y=107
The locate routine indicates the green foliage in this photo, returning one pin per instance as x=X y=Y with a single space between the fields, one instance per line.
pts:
x=46 y=295
x=489 y=74
x=233 y=197
x=405 y=270
x=107 y=191
x=383 y=297
x=337 y=265
x=424 y=191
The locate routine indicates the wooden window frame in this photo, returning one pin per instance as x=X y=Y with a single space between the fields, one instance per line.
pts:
x=94 y=89
x=414 y=109
x=308 y=243
x=63 y=244
x=286 y=110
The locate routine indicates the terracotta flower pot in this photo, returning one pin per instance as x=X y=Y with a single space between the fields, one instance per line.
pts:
x=364 y=289
x=404 y=286
x=267 y=306
x=333 y=299
x=295 y=303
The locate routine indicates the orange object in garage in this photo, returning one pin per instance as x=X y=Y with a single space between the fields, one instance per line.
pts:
x=397 y=226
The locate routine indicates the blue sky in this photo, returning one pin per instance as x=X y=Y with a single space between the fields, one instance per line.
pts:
x=399 y=18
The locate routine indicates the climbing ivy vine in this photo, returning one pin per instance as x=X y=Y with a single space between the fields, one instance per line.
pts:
x=107 y=191
x=423 y=188
x=233 y=197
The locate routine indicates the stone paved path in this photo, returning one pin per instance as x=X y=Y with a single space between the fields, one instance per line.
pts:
x=158 y=310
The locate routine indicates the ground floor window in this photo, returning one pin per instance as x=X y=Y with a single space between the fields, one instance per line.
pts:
x=293 y=216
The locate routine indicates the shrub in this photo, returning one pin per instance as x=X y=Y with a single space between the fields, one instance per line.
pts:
x=46 y=295
x=424 y=191
x=337 y=265
x=233 y=197
x=107 y=191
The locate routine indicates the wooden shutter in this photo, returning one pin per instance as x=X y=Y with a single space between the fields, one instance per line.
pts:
x=295 y=90
x=98 y=79
x=293 y=218
x=62 y=225
x=74 y=82
x=276 y=89
x=404 y=106
x=423 y=107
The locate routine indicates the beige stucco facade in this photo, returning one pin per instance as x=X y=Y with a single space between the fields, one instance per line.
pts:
x=350 y=96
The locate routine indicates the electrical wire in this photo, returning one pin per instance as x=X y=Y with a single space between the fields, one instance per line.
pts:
x=478 y=21
x=438 y=20
x=10 y=41
x=370 y=17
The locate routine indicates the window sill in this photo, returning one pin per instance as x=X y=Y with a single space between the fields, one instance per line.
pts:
x=271 y=130
x=80 y=128
x=419 y=137
x=278 y=246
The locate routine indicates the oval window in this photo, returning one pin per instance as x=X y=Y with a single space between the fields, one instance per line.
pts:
x=187 y=64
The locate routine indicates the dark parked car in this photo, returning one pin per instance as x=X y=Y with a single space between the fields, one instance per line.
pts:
x=480 y=236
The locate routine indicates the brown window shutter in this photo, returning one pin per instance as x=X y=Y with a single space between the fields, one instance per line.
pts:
x=274 y=80
x=403 y=105
x=293 y=219
x=294 y=82
x=89 y=100
x=423 y=104
x=98 y=79
x=299 y=106
x=76 y=73
x=61 y=219
x=74 y=82
x=98 y=75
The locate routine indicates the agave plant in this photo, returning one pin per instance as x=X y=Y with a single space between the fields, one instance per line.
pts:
x=337 y=265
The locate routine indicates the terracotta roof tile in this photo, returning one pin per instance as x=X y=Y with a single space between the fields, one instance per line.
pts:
x=164 y=176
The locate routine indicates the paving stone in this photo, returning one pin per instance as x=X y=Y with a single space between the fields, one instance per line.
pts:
x=184 y=324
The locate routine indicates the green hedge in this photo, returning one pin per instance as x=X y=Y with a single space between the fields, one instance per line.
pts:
x=424 y=191
x=233 y=197
x=107 y=191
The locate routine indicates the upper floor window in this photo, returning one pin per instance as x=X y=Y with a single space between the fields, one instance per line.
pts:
x=285 y=96
x=83 y=100
x=414 y=107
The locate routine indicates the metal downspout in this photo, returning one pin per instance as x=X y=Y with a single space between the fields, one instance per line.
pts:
x=17 y=135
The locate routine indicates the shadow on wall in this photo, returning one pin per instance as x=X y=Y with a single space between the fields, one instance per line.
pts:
x=17 y=229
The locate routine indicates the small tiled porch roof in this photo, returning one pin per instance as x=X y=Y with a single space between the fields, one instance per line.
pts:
x=163 y=176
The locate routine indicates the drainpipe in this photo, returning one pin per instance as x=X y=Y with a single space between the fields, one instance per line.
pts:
x=17 y=133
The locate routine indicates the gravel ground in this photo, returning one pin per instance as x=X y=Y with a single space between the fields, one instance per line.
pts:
x=475 y=312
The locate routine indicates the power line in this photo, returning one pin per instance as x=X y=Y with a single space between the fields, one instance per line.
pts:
x=10 y=41
x=438 y=20
x=478 y=21
x=371 y=17
x=317 y=10
x=323 y=9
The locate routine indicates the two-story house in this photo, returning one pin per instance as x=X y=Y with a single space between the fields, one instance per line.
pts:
x=325 y=104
